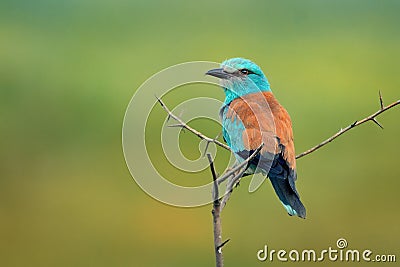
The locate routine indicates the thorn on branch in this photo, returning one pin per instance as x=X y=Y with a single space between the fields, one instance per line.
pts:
x=208 y=143
x=219 y=248
x=381 y=100
x=377 y=123
x=205 y=150
x=371 y=117
x=176 y=125
x=159 y=101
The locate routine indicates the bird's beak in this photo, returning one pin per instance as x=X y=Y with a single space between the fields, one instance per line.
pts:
x=219 y=73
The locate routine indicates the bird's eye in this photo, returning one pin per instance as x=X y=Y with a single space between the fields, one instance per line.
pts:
x=245 y=71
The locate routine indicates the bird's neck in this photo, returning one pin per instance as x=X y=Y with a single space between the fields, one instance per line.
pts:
x=231 y=95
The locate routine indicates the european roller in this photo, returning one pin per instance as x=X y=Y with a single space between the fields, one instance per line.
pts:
x=252 y=116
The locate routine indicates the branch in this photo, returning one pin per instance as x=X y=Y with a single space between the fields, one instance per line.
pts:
x=183 y=125
x=371 y=117
x=218 y=205
x=216 y=212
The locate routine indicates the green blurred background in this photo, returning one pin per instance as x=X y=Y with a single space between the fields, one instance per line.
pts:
x=69 y=68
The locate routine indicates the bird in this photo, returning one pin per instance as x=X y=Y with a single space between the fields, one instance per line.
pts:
x=252 y=117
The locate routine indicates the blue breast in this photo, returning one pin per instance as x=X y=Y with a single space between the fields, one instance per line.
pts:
x=232 y=131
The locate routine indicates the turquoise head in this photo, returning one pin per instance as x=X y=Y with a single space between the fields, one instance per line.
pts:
x=240 y=77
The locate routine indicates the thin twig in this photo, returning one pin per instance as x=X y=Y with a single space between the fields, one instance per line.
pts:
x=371 y=117
x=216 y=212
x=183 y=125
x=214 y=175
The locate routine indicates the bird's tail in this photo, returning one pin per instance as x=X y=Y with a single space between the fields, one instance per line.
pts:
x=289 y=197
